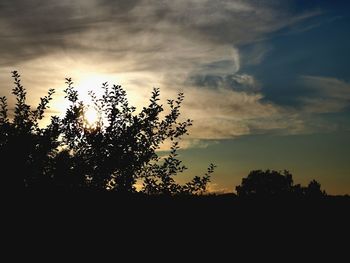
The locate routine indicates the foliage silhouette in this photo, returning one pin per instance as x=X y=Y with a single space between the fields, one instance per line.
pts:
x=112 y=154
x=25 y=148
x=122 y=146
x=271 y=183
x=117 y=151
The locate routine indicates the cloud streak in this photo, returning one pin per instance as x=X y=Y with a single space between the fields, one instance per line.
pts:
x=176 y=45
x=328 y=94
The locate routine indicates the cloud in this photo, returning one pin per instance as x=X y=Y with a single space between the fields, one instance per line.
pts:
x=175 y=45
x=225 y=113
x=188 y=142
x=35 y=28
x=238 y=82
x=255 y=54
x=214 y=188
x=327 y=94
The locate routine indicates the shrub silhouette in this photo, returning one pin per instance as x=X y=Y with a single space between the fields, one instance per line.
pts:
x=270 y=183
x=25 y=148
x=119 y=149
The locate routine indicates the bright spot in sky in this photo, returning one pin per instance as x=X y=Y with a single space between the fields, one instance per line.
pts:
x=89 y=81
x=91 y=116
x=92 y=82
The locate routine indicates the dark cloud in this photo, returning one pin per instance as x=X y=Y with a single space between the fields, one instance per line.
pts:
x=35 y=28
x=32 y=28
x=208 y=81
x=119 y=7
x=237 y=82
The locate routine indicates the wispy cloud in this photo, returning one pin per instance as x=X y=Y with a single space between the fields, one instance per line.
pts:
x=176 y=45
x=33 y=28
x=214 y=188
x=255 y=54
x=225 y=113
x=328 y=94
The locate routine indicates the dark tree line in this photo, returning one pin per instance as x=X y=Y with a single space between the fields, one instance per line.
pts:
x=275 y=184
x=118 y=150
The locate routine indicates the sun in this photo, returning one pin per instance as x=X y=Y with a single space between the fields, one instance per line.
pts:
x=91 y=82
x=91 y=116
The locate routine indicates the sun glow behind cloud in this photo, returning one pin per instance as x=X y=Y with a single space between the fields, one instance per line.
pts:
x=139 y=48
x=93 y=82
x=188 y=48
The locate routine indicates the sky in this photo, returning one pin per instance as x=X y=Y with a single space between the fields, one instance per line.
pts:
x=266 y=82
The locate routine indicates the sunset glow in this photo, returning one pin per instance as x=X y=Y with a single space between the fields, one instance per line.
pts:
x=266 y=83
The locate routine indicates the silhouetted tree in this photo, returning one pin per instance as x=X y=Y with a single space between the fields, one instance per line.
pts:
x=313 y=190
x=159 y=176
x=267 y=183
x=122 y=146
x=116 y=151
x=25 y=148
x=272 y=183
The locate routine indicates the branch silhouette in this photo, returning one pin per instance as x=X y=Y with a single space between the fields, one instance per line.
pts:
x=119 y=149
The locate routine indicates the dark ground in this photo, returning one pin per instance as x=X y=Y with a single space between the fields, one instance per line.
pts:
x=100 y=226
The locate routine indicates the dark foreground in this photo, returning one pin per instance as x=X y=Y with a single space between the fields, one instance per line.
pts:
x=227 y=206
x=179 y=229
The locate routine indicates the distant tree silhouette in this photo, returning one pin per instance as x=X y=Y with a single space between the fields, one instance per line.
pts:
x=270 y=183
x=112 y=154
x=266 y=183
x=313 y=190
